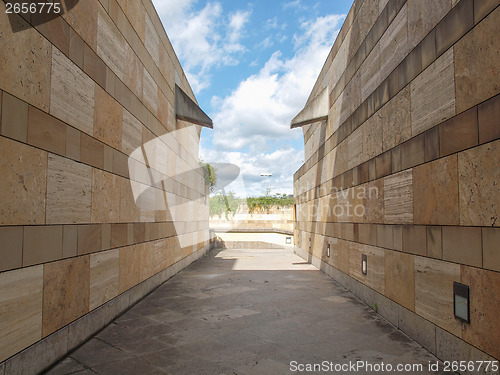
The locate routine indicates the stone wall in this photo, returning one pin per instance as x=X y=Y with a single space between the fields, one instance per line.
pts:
x=101 y=195
x=275 y=218
x=411 y=145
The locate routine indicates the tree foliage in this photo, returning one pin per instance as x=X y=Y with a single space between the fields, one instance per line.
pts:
x=267 y=202
x=209 y=174
x=224 y=203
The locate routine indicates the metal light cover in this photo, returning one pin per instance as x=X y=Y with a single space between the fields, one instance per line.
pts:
x=364 y=264
x=461 y=301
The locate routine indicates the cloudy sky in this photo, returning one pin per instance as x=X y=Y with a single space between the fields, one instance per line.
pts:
x=252 y=66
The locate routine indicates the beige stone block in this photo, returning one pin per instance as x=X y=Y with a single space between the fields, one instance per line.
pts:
x=433 y=94
x=423 y=16
x=475 y=54
x=94 y=66
x=372 y=137
x=105 y=197
x=414 y=239
x=23 y=184
x=111 y=46
x=135 y=12
x=462 y=245
x=370 y=73
x=400 y=278
x=482 y=8
x=482 y=332
x=83 y=19
x=344 y=263
x=434 y=242
x=25 y=60
x=89 y=238
x=70 y=241
x=351 y=98
x=65 y=292
x=14 y=118
x=131 y=135
x=398 y=198
x=91 y=151
x=72 y=94
x=108 y=118
x=21 y=307
x=134 y=73
x=479 y=181
x=355 y=148
x=129 y=212
x=434 y=292
x=46 y=132
x=364 y=21
x=42 y=244
x=152 y=43
x=435 y=192
x=11 y=251
x=394 y=44
x=374 y=201
x=375 y=275
x=150 y=92
x=459 y=133
x=491 y=248
x=396 y=120
x=73 y=146
x=68 y=191
x=104 y=277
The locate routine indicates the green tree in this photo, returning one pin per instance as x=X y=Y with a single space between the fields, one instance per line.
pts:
x=224 y=203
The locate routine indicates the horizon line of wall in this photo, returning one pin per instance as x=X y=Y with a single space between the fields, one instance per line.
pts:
x=413 y=114
x=89 y=221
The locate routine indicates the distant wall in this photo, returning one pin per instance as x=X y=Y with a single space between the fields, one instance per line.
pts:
x=412 y=142
x=79 y=95
x=275 y=218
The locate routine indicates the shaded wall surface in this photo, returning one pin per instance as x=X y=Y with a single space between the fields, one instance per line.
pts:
x=411 y=145
x=101 y=194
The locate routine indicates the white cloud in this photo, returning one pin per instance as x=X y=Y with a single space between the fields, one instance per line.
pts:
x=260 y=109
x=266 y=43
x=256 y=116
x=203 y=39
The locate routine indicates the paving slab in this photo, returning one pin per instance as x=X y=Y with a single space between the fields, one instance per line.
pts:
x=244 y=312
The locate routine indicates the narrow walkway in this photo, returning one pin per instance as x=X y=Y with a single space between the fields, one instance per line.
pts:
x=246 y=312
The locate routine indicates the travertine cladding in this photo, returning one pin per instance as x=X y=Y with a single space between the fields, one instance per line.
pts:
x=414 y=103
x=101 y=188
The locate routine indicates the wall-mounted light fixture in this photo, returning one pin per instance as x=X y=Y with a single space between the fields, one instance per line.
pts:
x=288 y=240
x=328 y=250
x=309 y=242
x=461 y=300
x=364 y=264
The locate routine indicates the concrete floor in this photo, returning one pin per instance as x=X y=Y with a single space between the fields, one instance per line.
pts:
x=246 y=312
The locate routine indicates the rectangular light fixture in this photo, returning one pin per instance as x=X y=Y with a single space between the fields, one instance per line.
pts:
x=328 y=250
x=309 y=242
x=461 y=301
x=288 y=240
x=364 y=264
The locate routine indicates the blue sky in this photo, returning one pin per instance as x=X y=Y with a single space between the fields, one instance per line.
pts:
x=252 y=66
